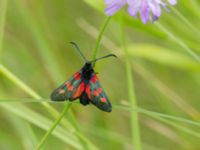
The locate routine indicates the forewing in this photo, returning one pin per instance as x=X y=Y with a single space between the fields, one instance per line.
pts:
x=97 y=95
x=70 y=90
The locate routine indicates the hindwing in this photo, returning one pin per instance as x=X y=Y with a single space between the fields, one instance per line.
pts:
x=96 y=94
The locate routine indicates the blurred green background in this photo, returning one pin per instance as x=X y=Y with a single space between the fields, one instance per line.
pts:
x=35 y=57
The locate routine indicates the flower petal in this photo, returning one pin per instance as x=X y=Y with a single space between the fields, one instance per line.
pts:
x=133 y=10
x=144 y=12
x=146 y=8
x=172 y=2
x=113 y=6
x=155 y=8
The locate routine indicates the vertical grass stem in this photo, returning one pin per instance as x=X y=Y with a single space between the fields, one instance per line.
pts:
x=134 y=122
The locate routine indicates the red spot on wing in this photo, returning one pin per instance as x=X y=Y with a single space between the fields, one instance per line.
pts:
x=77 y=76
x=87 y=90
x=99 y=90
x=103 y=100
x=70 y=87
x=79 y=90
x=94 y=79
x=68 y=84
x=96 y=93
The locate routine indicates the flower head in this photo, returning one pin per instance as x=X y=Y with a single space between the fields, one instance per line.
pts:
x=143 y=7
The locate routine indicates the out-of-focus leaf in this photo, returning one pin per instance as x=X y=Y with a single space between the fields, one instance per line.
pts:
x=42 y=122
x=163 y=56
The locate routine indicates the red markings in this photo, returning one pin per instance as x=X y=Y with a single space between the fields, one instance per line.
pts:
x=70 y=87
x=97 y=92
x=82 y=86
x=77 y=76
x=87 y=90
x=103 y=100
x=94 y=79
x=68 y=84
x=79 y=90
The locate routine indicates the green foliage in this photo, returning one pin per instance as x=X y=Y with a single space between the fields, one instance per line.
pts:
x=162 y=101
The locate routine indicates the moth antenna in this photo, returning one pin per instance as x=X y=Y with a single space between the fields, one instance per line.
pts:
x=109 y=55
x=79 y=51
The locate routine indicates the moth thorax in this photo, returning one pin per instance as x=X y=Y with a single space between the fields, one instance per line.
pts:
x=88 y=71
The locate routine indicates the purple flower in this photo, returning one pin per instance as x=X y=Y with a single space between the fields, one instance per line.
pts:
x=143 y=7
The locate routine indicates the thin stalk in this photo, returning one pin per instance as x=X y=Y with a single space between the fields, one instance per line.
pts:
x=43 y=123
x=82 y=139
x=153 y=113
x=26 y=100
x=45 y=137
x=100 y=37
x=182 y=128
x=165 y=118
x=167 y=91
x=3 y=8
x=179 y=41
x=186 y=21
x=128 y=108
x=46 y=54
x=135 y=129
x=18 y=82
x=26 y=88
x=8 y=74
x=31 y=133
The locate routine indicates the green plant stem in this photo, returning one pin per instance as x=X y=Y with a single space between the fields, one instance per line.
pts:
x=153 y=113
x=43 y=122
x=135 y=130
x=167 y=119
x=45 y=137
x=18 y=82
x=100 y=37
x=3 y=7
x=182 y=128
x=44 y=50
x=31 y=133
x=8 y=74
x=186 y=21
x=128 y=108
x=166 y=90
x=26 y=88
x=179 y=41
x=26 y=100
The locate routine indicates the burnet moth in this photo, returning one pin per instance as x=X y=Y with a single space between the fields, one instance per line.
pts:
x=84 y=85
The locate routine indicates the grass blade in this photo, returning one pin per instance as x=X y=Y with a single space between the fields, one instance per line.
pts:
x=135 y=129
x=3 y=7
x=45 y=137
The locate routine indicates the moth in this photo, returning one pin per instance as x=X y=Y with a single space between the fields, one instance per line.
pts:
x=84 y=85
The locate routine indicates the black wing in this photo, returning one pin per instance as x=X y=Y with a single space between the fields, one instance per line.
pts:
x=95 y=94
x=71 y=89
